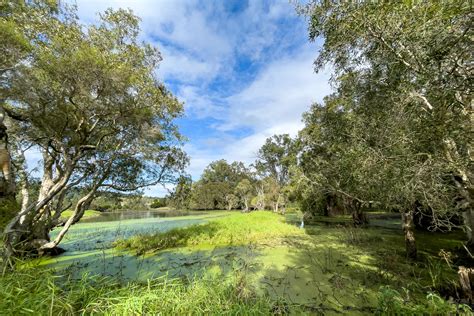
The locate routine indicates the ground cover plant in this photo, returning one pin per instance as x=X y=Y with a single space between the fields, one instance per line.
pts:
x=87 y=214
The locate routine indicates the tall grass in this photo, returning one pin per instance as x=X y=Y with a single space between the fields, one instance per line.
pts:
x=39 y=292
x=236 y=229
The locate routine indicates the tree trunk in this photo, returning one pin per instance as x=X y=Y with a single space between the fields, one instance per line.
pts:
x=408 y=229
x=359 y=218
x=330 y=201
x=466 y=281
x=29 y=229
x=468 y=217
x=7 y=187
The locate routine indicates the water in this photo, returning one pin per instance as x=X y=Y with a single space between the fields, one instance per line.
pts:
x=89 y=244
x=101 y=231
x=125 y=215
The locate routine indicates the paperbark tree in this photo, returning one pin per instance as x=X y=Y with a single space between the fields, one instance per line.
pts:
x=401 y=71
x=92 y=106
x=244 y=190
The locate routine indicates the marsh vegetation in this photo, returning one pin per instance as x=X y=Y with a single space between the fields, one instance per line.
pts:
x=367 y=209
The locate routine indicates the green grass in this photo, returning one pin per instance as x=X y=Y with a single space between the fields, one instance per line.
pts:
x=34 y=291
x=258 y=227
x=87 y=214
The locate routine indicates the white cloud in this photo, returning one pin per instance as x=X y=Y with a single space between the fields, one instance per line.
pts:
x=279 y=94
x=177 y=65
x=202 y=42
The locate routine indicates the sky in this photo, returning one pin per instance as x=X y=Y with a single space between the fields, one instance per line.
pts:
x=243 y=69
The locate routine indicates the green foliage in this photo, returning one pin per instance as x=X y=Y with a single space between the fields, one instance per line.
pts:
x=157 y=203
x=276 y=156
x=94 y=109
x=218 y=182
x=391 y=302
x=8 y=209
x=181 y=196
x=396 y=130
x=87 y=214
x=235 y=229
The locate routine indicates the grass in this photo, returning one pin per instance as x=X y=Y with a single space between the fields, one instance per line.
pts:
x=34 y=291
x=258 y=227
x=87 y=214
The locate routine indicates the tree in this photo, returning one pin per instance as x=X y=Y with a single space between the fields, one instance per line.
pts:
x=273 y=194
x=181 y=196
x=97 y=114
x=244 y=191
x=217 y=184
x=231 y=201
x=402 y=68
x=275 y=159
x=19 y=24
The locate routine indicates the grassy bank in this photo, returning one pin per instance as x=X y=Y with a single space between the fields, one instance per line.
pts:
x=87 y=214
x=237 y=229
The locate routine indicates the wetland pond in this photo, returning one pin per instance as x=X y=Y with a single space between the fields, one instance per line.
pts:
x=334 y=266
x=89 y=249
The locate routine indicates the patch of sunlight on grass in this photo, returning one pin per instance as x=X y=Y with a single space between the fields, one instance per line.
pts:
x=87 y=214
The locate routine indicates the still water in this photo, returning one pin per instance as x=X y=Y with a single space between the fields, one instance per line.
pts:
x=125 y=215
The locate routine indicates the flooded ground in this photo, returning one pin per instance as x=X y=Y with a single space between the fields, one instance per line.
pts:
x=330 y=264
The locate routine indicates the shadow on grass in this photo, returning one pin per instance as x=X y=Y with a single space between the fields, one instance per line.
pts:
x=347 y=270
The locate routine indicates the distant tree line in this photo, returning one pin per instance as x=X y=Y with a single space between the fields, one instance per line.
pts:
x=262 y=185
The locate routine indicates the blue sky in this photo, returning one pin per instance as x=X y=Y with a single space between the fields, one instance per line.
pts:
x=242 y=68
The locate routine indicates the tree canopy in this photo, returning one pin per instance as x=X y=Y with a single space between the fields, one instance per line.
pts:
x=88 y=99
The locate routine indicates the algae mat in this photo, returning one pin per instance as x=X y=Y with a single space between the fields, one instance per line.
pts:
x=296 y=273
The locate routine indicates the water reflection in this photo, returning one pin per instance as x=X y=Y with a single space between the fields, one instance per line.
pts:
x=124 y=215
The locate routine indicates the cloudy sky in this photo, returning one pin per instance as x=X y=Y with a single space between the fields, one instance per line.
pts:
x=242 y=68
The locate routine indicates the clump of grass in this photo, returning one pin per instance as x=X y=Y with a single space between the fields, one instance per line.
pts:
x=392 y=302
x=358 y=236
x=34 y=291
x=236 y=229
